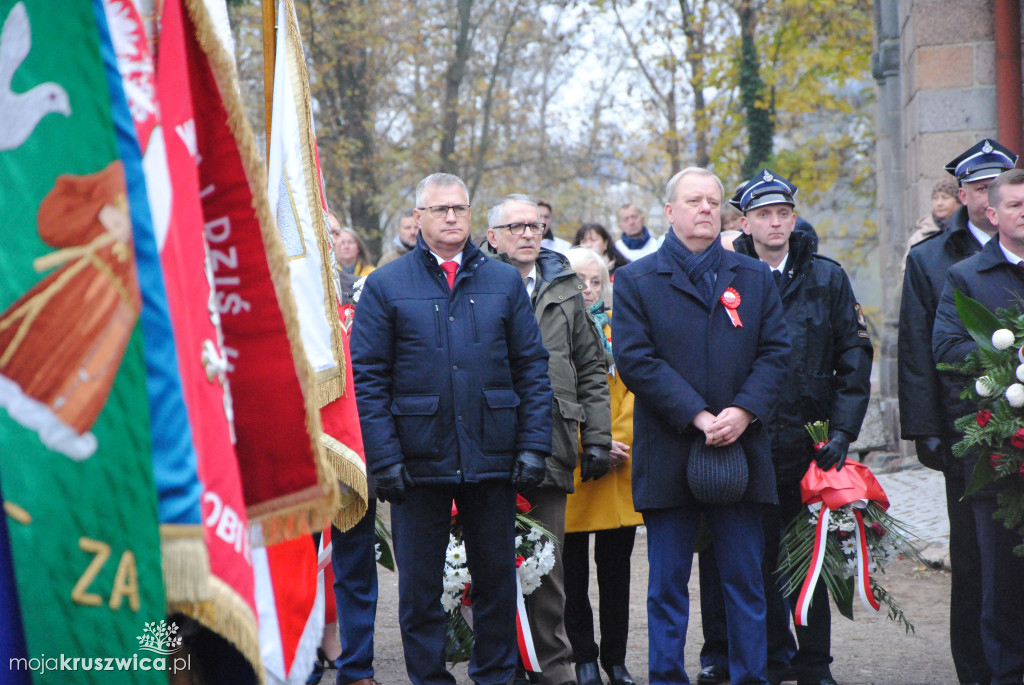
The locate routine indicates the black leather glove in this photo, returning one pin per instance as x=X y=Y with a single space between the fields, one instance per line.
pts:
x=834 y=451
x=391 y=482
x=528 y=470
x=594 y=462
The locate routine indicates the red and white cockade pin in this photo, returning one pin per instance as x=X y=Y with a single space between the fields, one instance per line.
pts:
x=731 y=301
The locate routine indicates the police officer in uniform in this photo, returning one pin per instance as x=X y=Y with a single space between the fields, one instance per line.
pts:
x=995 y=278
x=923 y=405
x=829 y=379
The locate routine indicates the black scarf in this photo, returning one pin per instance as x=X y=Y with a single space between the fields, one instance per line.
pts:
x=701 y=267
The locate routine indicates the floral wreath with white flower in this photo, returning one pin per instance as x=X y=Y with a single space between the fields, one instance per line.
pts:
x=997 y=365
x=860 y=538
x=535 y=557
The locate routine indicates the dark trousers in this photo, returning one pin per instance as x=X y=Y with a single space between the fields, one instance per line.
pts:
x=965 y=593
x=612 y=551
x=1002 y=595
x=810 y=653
x=355 y=592
x=671 y=534
x=420 y=527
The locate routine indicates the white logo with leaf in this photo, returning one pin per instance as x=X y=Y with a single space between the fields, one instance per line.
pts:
x=159 y=638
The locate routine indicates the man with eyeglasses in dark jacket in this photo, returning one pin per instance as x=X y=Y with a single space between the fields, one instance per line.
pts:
x=454 y=404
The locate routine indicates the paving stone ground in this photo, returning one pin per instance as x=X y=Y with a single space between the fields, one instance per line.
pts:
x=917 y=497
x=868 y=651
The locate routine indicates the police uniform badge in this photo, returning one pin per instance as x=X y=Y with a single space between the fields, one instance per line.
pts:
x=862 y=324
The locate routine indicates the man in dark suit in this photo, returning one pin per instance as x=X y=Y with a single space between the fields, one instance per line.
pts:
x=924 y=408
x=995 y=278
x=700 y=338
x=454 y=404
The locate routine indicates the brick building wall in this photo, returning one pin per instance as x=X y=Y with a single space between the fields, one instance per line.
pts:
x=934 y=65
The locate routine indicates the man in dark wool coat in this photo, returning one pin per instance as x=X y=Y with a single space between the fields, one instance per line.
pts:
x=925 y=415
x=995 y=278
x=700 y=338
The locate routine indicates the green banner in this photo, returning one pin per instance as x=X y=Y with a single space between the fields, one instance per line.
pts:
x=75 y=454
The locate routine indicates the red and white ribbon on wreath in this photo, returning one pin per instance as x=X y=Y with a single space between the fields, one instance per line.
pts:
x=803 y=602
x=523 y=635
x=863 y=579
x=524 y=638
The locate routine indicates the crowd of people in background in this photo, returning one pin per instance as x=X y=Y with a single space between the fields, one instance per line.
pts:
x=494 y=366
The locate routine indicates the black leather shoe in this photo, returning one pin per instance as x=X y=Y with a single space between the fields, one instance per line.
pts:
x=779 y=677
x=824 y=681
x=712 y=675
x=587 y=673
x=618 y=675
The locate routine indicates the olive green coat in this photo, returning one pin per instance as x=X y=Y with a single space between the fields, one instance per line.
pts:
x=577 y=367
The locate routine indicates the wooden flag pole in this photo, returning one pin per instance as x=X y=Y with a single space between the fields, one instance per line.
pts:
x=269 y=56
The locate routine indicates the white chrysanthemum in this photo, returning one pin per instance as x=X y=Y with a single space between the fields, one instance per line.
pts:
x=456 y=554
x=534 y=535
x=1015 y=395
x=519 y=541
x=850 y=570
x=450 y=603
x=1002 y=339
x=1020 y=372
x=546 y=558
x=984 y=386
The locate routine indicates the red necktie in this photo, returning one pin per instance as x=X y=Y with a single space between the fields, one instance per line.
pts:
x=449 y=269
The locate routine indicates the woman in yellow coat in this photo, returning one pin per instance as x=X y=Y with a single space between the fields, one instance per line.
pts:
x=603 y=507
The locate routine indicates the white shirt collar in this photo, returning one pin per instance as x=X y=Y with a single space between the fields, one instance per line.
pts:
x=781 y=265
x=457 y=258
x=978 y=234
x=530 y=280
x=1010 y=257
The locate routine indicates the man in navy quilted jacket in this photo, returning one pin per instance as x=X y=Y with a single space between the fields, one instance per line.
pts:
x=454 y=404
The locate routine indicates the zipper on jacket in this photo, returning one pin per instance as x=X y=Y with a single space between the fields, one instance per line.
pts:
x=437 y=324
x=472 y=317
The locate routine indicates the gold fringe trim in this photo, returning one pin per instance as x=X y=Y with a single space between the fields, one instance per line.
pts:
x=231 y=617
x=293 y=521
x=348 y=468
x=329 y=390
x=297 y=68
x=299 y=521
x=186 y=563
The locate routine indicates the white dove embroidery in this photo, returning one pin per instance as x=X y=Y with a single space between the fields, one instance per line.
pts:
x=21 y=112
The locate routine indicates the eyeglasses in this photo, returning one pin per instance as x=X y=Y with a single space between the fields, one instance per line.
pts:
x=537 y=228
x=441 y=211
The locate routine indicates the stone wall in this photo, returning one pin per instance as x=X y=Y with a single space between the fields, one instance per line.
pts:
x=934 y=65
